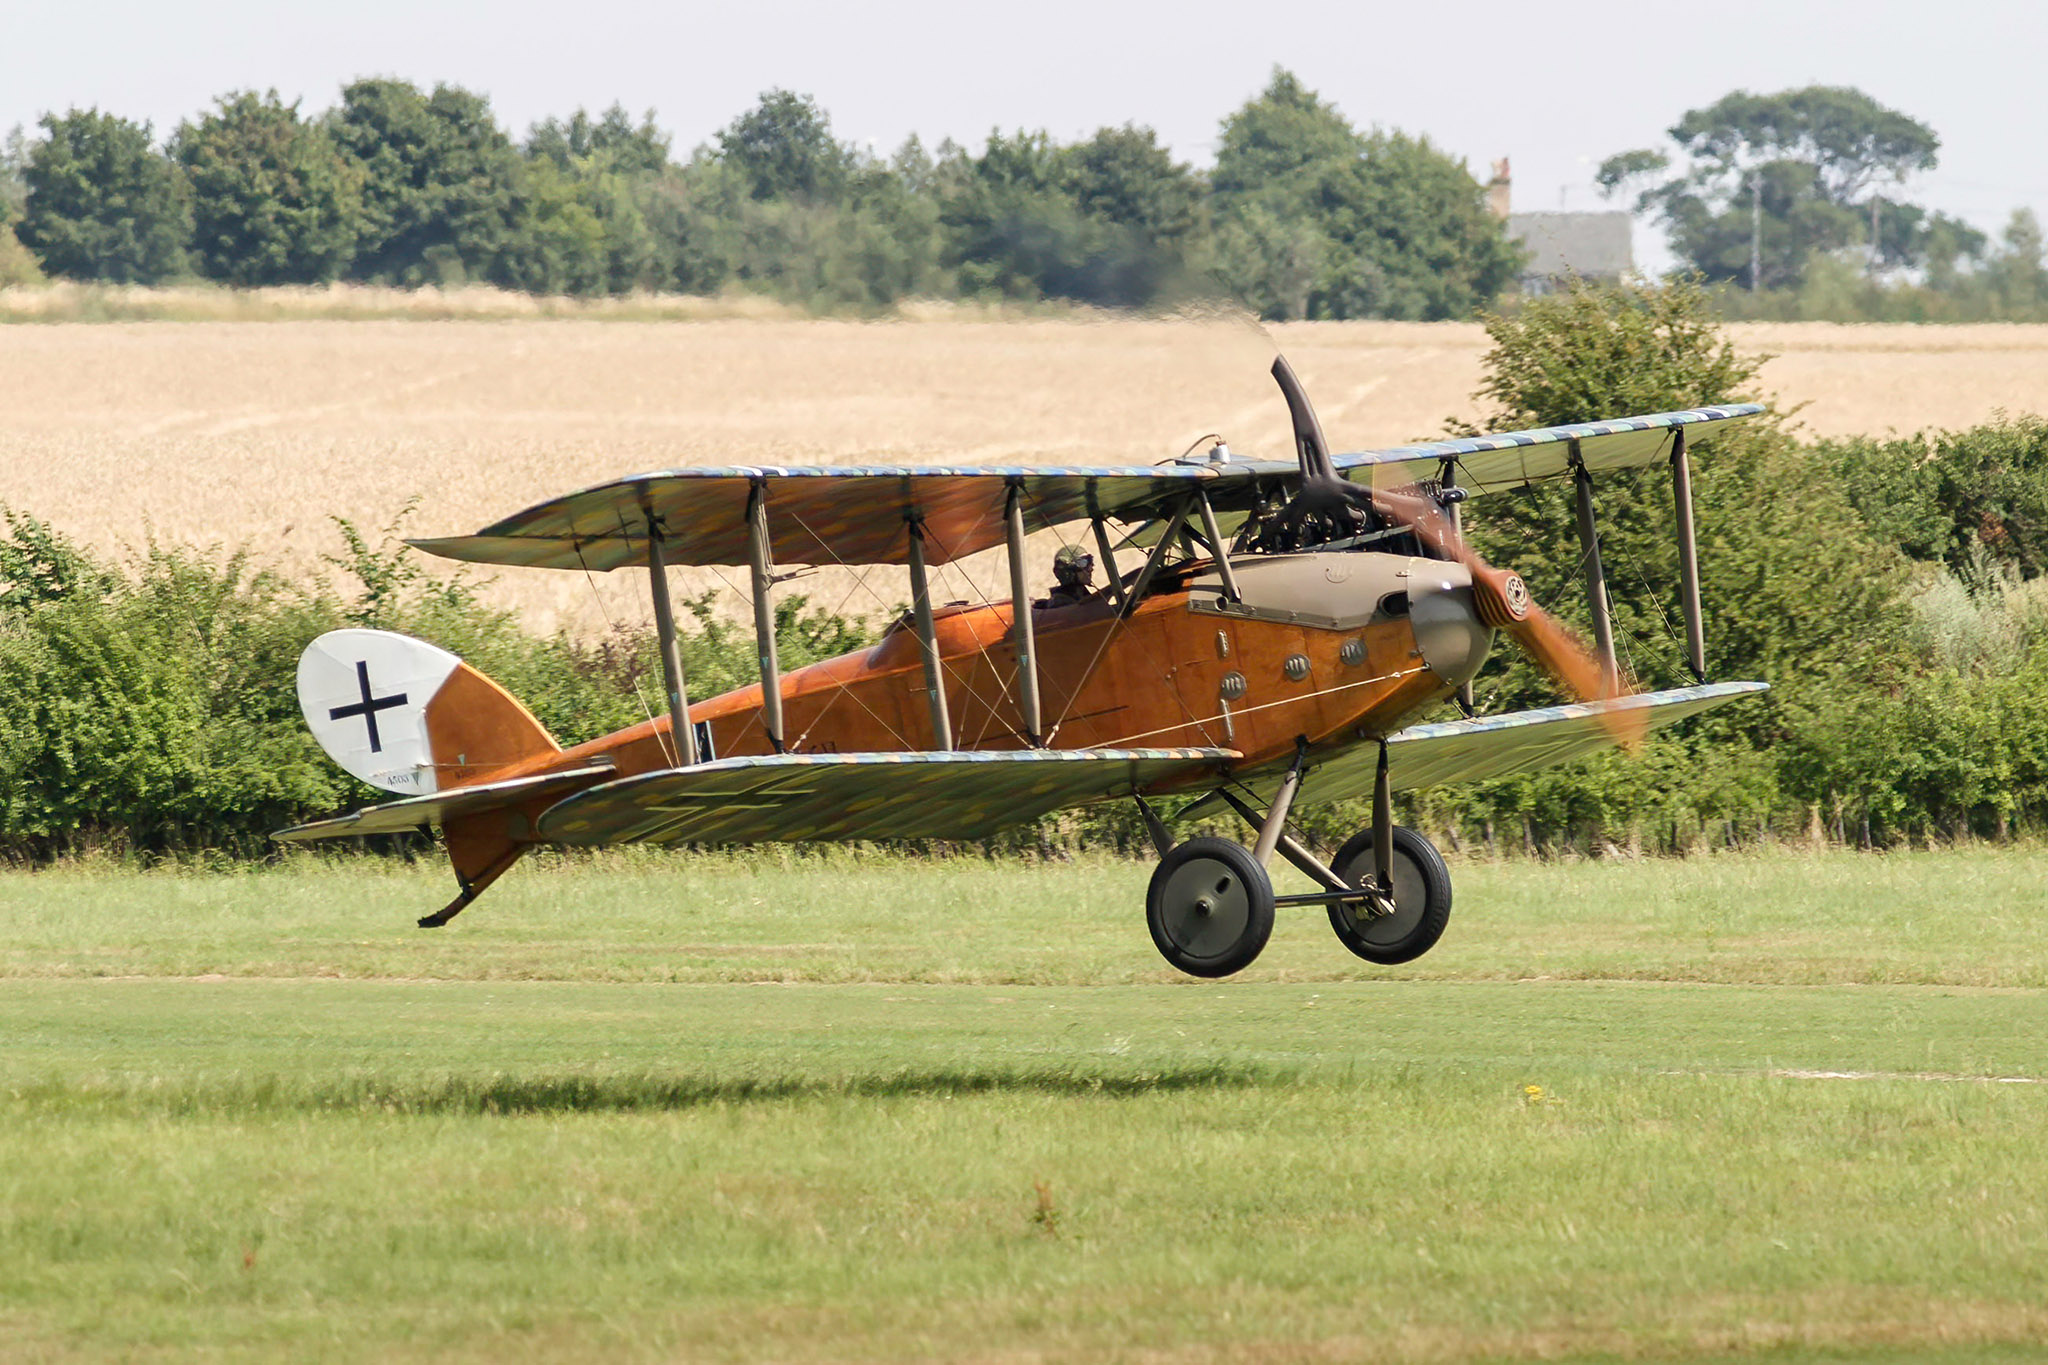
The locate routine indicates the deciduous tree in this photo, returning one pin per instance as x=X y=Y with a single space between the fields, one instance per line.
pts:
x=609 y=143
x=439 y=177
x=1776 y=178
x=273 y=202
x=103 y=203
x=784 y=148
x=1384 y=224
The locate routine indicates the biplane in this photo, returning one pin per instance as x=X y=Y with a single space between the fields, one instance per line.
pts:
x=1263 y=634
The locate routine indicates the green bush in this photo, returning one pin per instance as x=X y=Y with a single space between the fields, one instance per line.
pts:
x=1798 y=592
x=153 y=708
x=1946 y=496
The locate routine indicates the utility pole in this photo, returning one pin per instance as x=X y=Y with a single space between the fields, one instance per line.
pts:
x=1756 y=230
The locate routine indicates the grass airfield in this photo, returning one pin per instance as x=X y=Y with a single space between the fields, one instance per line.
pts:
x=1783 y=1104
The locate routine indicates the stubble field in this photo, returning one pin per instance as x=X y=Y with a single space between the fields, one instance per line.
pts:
x=256 y=433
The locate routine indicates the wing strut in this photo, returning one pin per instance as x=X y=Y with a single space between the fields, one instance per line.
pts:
x=684 y=738
x=1688 y=557
x=928 y=641
x=1174 y=522
x=761 y=570
x=1021 y=634
x=1218 y=547
x=1452 y=499
x=1098 y=523
x=1596 y=577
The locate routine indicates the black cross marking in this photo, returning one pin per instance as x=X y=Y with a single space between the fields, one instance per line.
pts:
x=368 y=707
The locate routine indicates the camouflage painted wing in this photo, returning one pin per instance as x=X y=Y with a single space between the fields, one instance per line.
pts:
x=787 y=798
x=817 y=514
x=1491 y=746
x=1511 y=459
x=1495 y=746
x=855 y=514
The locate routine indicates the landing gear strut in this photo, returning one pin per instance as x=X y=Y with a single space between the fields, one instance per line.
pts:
x=1210 y=903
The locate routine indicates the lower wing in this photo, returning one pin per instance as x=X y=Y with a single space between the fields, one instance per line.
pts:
x=793 y=797
x=1495 y=746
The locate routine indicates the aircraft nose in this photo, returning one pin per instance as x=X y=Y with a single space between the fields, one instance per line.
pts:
x=1448 y=631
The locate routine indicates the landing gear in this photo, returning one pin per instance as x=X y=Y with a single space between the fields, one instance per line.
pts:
x=1210 y=907
x=1421 y=899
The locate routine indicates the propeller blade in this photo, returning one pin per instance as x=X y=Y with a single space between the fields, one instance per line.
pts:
x=1504 y=603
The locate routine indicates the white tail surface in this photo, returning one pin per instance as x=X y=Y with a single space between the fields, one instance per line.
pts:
x=365 y=695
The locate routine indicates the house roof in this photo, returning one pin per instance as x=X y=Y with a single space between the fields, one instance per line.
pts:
x=1590 y=244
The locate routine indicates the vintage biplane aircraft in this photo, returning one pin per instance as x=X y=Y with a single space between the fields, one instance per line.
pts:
x=1263 y=631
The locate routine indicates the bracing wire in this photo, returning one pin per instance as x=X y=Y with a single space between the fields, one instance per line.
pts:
x=1201 y=724
x=670 y=751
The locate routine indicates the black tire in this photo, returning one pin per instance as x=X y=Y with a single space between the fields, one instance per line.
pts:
x=1210 y=907
x=1422 y=899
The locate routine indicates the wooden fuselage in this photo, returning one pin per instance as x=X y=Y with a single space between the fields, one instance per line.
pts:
x=1321 y=647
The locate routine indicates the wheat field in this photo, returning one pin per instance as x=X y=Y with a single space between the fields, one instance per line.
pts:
x=255 y=433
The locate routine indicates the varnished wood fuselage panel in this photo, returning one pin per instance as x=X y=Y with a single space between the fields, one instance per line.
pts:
x=1155 y=679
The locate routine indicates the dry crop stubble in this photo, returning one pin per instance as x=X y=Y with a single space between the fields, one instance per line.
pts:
x=254 y=433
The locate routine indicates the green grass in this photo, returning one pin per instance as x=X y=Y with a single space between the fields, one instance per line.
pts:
x=858 y=1108
x=1973 y=918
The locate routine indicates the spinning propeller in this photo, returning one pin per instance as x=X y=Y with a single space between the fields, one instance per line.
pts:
x=1329 y=507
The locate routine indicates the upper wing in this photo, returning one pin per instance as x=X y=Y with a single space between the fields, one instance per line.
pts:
x=816 y=515
x=438 y=807
x=828 y=514
x=1487 y=464
x=791 y=797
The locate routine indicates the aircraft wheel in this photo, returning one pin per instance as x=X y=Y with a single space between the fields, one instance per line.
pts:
x=1210 y=907
x=1422 y=899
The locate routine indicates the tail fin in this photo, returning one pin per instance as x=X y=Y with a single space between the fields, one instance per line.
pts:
x=410 y=717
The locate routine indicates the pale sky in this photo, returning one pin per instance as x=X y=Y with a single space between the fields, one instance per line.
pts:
x=1554 y=87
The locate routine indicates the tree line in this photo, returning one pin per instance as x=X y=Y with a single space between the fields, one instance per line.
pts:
x=1303 y=216
x=1793 y=204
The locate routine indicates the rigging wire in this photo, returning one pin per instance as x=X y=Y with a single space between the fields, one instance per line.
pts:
x=1116 y=631
x=670 y=750
x=995 y=669
x=1396 y=675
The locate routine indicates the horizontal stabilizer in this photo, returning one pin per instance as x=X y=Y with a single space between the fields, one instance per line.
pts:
x=440 y=807
x=785 y=798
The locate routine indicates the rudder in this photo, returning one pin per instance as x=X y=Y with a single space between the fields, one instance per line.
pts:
x=410 y=717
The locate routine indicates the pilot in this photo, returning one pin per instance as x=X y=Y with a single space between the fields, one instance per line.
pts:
x=1072 y=568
